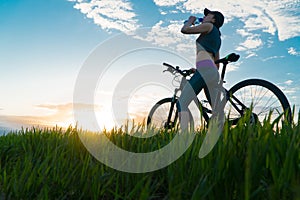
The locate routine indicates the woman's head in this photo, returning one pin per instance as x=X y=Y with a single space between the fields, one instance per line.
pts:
x=215 y=17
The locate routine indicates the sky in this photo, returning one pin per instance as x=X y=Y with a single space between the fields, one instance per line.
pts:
x=45 y=44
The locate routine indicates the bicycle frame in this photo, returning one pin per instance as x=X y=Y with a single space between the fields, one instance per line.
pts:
x=173 y=103
x=204 y=110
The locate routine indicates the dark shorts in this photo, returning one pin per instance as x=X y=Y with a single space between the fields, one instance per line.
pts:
x=205 y=75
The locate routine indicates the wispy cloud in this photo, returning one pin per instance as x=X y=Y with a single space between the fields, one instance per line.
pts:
x=166 y=34
x=257 y=16
x=273 y=57
x=289 y=87
x=243 y=32
x=286 y=17
x=293 y=51
x=233 y=67
x=279 y=18
x=268 y=16
x=288 y=82
x=167 y=2
x=264 y=15
x=162 y=34
x=117 y=14
x=62 y=115
x=252 y=42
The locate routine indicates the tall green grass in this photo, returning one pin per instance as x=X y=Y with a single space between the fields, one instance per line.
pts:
x=248 y=162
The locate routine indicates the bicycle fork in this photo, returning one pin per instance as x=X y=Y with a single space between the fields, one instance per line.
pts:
x=169 y=123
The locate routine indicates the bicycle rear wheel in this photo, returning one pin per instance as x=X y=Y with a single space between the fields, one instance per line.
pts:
x=159 y=113
x=265 y=100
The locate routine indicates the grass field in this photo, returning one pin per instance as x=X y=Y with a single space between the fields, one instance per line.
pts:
x=248 y=162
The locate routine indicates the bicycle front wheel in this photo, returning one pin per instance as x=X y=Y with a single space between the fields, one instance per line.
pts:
x=265 y=100
x=164 y=115
x=159 y=113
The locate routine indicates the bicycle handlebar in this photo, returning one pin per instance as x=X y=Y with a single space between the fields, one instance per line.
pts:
x=176 y=69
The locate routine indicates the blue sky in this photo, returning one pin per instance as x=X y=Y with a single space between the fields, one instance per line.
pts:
x=43 y=45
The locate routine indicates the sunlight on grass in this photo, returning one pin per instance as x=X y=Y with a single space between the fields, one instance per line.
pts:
x=257 y=161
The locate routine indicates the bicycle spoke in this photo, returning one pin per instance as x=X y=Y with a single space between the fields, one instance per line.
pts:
x=262 y=97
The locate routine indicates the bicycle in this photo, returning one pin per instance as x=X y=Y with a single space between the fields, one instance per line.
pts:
x=262 y=98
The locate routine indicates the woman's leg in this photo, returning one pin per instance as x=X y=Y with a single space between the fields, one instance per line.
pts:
x=214 y=91
x=188 y=94
x=206 y=75
x=211 y=78
x=190 y=91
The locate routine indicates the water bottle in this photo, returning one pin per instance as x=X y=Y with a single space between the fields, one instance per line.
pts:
x=197 y=21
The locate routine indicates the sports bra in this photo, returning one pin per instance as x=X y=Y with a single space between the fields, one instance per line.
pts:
x=210 y=42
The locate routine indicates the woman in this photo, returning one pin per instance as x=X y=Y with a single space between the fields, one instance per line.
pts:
x=206 y=73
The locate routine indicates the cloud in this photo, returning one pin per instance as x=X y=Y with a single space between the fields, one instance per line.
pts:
x=167 y=2
x=264 y=15
x=56 y=107
x=285 y=15
x=288 y=82
x=243 y=32
x=252 y=42
x=256 y=18
x=167 y=35
x=117 y=14
x=62 y=115
x=289 y=87
x=60 y=108
x=233 y=67
x=272 y=57
x=292 y=51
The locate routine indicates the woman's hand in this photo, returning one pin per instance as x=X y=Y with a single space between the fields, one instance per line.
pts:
x=193 y=70
x=192 y=19
x=188 y=24
x=201 y=28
